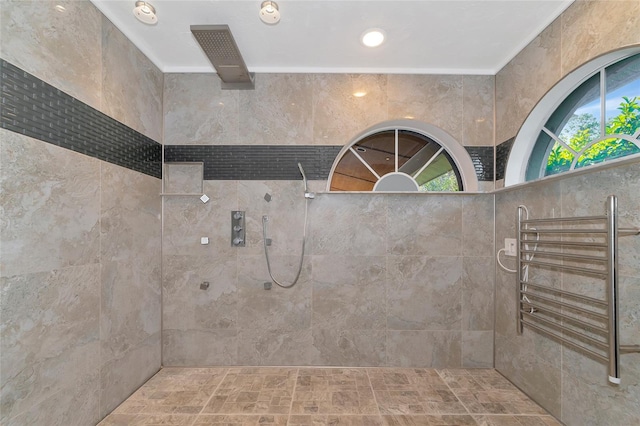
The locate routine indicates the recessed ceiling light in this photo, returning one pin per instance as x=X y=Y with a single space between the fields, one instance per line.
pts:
x=269 y=12
x=373 y=37
x=145 y=12
x=60 y=8
x=359 y=94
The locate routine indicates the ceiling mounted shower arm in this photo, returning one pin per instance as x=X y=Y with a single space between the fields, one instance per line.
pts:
x=221 y=49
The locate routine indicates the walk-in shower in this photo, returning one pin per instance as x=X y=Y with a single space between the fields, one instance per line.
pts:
x=308 y=195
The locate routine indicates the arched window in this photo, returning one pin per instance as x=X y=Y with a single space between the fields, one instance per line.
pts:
x=589 y=117
x=403 y=155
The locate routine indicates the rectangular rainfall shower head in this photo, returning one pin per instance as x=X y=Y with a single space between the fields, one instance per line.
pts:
x=218 y=44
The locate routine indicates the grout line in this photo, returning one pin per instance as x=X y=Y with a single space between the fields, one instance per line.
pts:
x=513 y=414
x=162 y=242
x=387 y=285
x=100 y=260
x=293 y=393
x=212 y=394
x=373 y=392
x=495 y=283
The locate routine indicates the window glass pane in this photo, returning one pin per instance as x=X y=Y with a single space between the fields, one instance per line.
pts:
x=578 y=117
x=608 y=149
x=586 y=124
x=581 y=129
x=373 y=157
x=445 y=183
x=623 y=96
x=351 y=175
x=422 y=157
x=378 y=151
x=538 y=159
x=440 y=175
x=411 y=144
x=559 y=160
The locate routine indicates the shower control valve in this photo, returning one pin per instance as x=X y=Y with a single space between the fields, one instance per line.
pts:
x=237 y=229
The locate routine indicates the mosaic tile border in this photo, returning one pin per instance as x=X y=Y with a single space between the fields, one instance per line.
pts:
x=33 y=108
x=279 y=162
x=257 y=162
x=482 y=158
x=502 y=155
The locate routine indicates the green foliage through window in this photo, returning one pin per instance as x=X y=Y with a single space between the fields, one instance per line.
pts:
x=583 y=129
x=447 y=182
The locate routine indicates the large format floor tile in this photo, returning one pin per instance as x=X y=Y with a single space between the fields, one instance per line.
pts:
x=274 y=396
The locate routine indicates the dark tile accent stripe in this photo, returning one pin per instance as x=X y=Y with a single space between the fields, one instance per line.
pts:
x=257 y=162
x=482 y=157
x=279 y=162
x=31 y=107
x=502 y=155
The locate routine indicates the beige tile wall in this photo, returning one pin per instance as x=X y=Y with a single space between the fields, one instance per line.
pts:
x=50 y=283
x=308 y=109
x=350 y=308
x=570 y=386
x=79 y=238
x=131 y=94
x=383 y=276
x=585 y=30
x=47 y=43
x=387 y=279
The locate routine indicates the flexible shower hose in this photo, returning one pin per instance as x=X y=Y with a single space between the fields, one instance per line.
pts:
x=265 y=219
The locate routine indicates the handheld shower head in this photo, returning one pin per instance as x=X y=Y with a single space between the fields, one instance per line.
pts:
x=304 y=178
x=307 y=194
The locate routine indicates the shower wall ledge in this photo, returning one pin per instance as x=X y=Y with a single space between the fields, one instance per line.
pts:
x=573 y=173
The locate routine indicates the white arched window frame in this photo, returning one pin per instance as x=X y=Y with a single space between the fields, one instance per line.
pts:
x=525 y=141
x=457 y=153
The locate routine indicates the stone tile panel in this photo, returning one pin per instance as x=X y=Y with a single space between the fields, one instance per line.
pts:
x=63 y=49
x=54 y=209
x=429 y=226
x=424 y=293
x=136 y=102
x=198 y=112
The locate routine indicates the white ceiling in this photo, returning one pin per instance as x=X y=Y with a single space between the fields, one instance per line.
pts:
x=323 y=36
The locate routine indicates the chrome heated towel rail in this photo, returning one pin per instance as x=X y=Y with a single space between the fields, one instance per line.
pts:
x=585 y=246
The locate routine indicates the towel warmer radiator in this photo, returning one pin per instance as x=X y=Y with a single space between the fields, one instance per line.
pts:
x=584 y=323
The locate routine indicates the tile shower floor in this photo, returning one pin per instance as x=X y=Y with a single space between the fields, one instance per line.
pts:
x=328 y=396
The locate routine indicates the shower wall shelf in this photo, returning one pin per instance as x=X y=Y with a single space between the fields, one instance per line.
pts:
x=182 y=194
x=200 y=194
x=586 y=246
